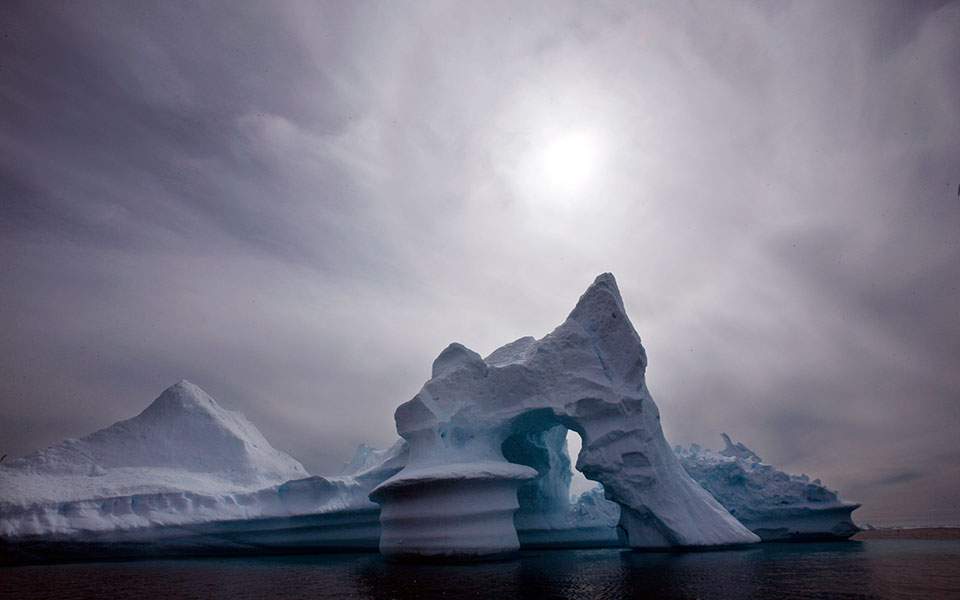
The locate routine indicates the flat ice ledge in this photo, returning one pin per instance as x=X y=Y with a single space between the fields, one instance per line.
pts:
x=473 y=471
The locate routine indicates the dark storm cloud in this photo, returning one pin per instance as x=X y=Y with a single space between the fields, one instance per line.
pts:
x=297 y=205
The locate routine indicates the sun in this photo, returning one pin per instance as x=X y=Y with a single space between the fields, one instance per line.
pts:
x=568 y=162
x=554 y=168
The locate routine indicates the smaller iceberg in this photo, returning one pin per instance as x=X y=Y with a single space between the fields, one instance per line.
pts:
x=185 y=476
x=773 y=504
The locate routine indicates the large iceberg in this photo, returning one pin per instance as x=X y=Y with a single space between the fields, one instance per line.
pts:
x=457 y=494
x=481 y=469
x=773 y=504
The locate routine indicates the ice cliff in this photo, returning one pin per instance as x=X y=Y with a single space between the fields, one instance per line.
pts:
x=457 y=494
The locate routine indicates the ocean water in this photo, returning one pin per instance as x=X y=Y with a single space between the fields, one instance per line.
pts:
x=927 y=569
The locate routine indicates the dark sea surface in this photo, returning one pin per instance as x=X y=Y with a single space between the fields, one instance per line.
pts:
x=868 y=569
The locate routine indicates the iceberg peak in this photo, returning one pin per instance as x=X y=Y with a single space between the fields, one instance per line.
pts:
x=453 y=357
x=183 y=395
x=601 y=301
x=183 y=428
x=738 y=450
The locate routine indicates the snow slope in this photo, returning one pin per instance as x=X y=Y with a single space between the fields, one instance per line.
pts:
x=186 y=461
x=183 y=441
x=183 y=459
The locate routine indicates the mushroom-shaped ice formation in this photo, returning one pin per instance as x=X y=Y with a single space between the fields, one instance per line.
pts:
x=457 y=494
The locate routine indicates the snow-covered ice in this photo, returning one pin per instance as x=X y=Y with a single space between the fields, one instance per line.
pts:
x=773 y=504
x=183 y=441
x=183 y=460
x=457 y=493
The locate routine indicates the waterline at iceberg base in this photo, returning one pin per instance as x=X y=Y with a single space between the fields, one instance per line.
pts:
x=481 y=470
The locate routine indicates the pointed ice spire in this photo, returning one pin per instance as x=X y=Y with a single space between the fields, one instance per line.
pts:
x=738 y=450
x=601 y=313
x=599 y=303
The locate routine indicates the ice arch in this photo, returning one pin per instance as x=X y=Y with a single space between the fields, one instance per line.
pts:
x=548 y=515
x=542 y=448
x=458 y=493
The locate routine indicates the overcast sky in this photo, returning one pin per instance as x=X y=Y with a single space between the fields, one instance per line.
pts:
x=297 y=206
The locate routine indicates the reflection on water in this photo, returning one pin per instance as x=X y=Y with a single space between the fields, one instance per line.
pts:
x=872 y=569
x=747 y=573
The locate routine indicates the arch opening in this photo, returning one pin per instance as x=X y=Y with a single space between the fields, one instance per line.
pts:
x=579 y=483
x=559 y=507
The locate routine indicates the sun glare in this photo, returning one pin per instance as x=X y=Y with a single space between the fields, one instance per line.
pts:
x=569 y=161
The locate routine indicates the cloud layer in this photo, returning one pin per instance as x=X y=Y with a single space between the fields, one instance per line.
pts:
x=298 y=205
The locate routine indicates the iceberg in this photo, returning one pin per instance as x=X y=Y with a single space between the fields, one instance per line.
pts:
x=773 y=504
x=457 y=494
x=481 y=469
x=186 y=475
